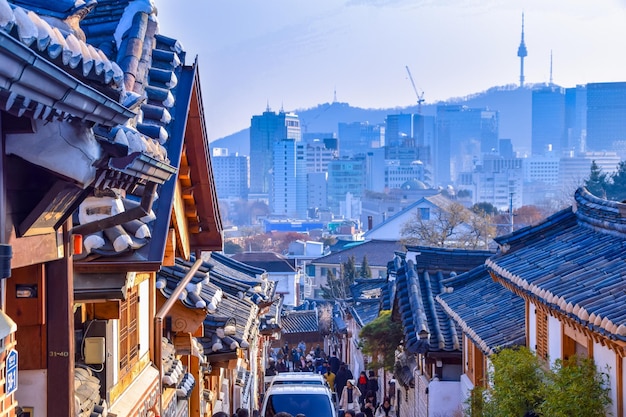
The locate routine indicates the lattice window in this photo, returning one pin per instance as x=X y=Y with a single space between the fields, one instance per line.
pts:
x=129 y=332
x=542 y=334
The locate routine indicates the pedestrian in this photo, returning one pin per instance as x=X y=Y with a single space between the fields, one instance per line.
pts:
x=372 y=385
x=282 y=414
x=220 y=414
x=341 y=378
x=349 y=413
x=243 y=412
x=369 y=404
x=385 y=409
x=329 y=376
x=281 y=366
x=334 y=362
x=362 y=385
x=318 y=351
x=350 y=396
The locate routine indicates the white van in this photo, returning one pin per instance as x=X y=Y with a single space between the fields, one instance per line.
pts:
x=299 y=378
x=310 y=400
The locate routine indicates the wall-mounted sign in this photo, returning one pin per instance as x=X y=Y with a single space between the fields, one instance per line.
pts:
x=11 y=372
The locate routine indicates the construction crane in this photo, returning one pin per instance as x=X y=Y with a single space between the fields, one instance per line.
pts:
x=420 y=97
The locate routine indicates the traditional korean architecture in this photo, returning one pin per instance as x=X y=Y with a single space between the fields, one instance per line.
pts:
x=220 y=312
x=490 y=316
x=570 y=270
x=429 y=367
x=106 y=176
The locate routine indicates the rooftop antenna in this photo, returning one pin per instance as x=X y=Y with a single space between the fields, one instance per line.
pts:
x=335 y=95
x=522 y=52
x=551 y=83
x=267 y=109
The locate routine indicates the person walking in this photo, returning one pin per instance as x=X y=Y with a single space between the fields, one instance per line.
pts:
x=334 y=362
x=361 y=383
x=372 y=385
x=350 y=396
x=341 y=378
x=385 y=409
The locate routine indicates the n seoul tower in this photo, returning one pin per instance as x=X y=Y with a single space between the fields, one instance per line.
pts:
x=521 y=53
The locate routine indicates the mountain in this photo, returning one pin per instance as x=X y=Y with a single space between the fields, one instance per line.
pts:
x=512 y=103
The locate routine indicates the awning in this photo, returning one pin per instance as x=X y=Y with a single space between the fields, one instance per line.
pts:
x=99 y=286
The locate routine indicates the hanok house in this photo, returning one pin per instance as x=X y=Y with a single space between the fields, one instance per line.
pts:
x=428 y=369
x=570 y=271
x=218 y=317
x=99 y=120
x=491 y=318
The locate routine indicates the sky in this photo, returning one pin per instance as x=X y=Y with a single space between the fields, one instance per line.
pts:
x=298 y=54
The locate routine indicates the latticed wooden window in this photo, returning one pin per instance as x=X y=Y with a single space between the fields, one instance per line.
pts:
x=129 y=332
x=542 y=334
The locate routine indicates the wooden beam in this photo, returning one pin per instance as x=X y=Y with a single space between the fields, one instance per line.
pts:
x=59 y=302
x=109 y=310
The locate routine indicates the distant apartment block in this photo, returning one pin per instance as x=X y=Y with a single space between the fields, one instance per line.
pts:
x=496 y=180
x=575 y=168
x=396 y=174
x=543 y=169
x=318 y=156
x=265 y=130
x=345 y=176
x=231 y=174
x=317 y=195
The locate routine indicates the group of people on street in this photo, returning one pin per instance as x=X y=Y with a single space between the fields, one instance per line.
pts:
x=356 y=398
x=359 y=399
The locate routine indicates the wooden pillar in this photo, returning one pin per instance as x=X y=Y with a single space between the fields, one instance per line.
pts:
x=60 y=323
x=196 y=393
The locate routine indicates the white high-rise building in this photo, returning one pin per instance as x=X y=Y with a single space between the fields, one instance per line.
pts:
x=289 y=191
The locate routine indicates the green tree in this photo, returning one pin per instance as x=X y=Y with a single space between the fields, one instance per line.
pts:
x=575 y=388
x=231 y=248
x=597 y=183
x=484 y=208
x=380 y=339
x=349 y=270
x=365 y=271
x=617 y=188
x=520 y=385
x=333 y=289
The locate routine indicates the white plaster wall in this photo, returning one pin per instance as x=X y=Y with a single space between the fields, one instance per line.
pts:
x=554 y=339
x=144 y=317
x=466 y=388
x=605 y=360
x=444 y=398
x=29 y=382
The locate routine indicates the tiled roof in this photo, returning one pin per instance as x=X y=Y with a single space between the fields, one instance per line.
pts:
x=227 y=300
x=419 y=279
x=378 y=253
x=491 y=316
x=368 y=288
x=300 y=322
x=365 y=310
x=268 y=261
x=574 y=262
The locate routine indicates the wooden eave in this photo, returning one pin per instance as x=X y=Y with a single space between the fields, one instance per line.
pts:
x=617 y=346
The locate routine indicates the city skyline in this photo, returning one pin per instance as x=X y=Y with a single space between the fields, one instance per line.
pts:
x=297 y=57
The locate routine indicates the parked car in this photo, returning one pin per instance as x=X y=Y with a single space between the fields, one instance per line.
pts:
x=308 y=399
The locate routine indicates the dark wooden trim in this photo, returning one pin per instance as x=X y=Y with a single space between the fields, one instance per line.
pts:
x=60 y=352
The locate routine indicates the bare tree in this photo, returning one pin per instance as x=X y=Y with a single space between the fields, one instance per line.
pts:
x=452 y=226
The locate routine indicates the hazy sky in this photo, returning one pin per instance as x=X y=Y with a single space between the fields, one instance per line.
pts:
x=296 y=54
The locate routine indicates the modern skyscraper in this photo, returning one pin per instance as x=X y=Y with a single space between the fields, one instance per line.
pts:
x=606 y=116
x=576 y=118
x=358 y=137
x=463 y=135
x=548 y=131
x=289 y=196
x=346 y=175
x=265 y=130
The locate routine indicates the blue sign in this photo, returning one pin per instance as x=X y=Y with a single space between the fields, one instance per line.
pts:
x=11 y=372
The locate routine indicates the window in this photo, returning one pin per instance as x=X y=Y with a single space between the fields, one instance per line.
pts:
x=542 y=334
x=129 y=332
x=425 y=213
